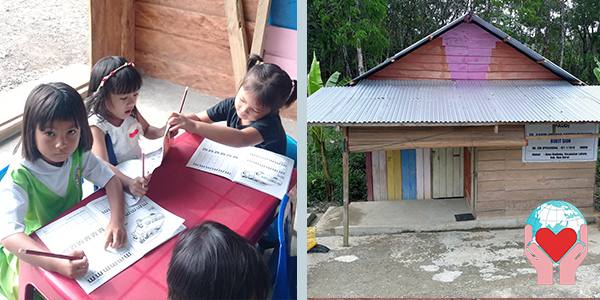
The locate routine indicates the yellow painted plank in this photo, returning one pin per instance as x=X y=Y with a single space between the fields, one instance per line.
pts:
x=394 y=174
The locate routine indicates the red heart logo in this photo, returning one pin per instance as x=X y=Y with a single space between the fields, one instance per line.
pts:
x=556 y=245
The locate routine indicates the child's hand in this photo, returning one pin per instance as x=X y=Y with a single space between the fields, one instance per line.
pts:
x=73 y=268
x=116 y=236
x=173 y=133
x=138 y=186
x=179 y=121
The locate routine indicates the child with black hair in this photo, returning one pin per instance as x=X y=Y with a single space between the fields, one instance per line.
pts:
x=115 y=121
x=252 y=116
x=210 y=261
x=47 y=181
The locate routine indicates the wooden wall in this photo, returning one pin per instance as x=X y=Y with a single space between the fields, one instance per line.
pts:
x=507 y=186
x=186 y=42
x=465 y=52
x=111 y=31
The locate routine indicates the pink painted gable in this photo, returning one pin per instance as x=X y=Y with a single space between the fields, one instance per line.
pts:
x=465 y=52
x=468 y=51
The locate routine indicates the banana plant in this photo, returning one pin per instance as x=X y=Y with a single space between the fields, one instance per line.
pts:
x=317 y=133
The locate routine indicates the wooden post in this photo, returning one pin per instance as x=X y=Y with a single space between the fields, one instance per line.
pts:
x=238 y=45
x=346 y=188
x=112 y=29
x=262 y=14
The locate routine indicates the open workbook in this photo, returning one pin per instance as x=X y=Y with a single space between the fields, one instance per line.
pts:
x=257 y=168
x=148 y=225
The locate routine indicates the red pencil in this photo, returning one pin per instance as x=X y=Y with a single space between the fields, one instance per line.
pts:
x=48 y=254
x=183 y=99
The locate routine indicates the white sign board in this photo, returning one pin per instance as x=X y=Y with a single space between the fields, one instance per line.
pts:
x=560 y=149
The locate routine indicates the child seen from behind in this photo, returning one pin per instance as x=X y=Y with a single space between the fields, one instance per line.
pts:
x=210 y=261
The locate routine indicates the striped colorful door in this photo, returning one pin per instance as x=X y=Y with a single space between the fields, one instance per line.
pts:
x=448 y=174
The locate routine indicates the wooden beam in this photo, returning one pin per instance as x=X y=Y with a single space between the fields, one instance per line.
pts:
x=363 y=139
x=262 y=14
x=11 y=117
x=346 y=188
x=238 y=45
x=113 y=29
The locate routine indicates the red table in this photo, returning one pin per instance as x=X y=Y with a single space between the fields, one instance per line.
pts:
x=191 y=194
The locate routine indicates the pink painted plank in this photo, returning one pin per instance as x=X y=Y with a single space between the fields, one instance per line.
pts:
x=468 y=51
x=478 y=68
x=288 y=65
x=280 y=48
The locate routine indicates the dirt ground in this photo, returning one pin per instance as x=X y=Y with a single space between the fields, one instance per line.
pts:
x=41 y=36
x=471 y=264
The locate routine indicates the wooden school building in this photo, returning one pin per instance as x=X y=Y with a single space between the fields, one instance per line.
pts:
x=468 y=112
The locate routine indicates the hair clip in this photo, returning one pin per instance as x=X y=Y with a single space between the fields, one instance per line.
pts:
x=112 y=73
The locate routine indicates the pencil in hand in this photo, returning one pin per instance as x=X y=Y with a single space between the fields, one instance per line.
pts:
x=48 y=254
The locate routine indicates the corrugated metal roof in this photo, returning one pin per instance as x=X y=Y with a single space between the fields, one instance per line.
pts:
x=444 y=102
x=486 y=26
x=594 y=90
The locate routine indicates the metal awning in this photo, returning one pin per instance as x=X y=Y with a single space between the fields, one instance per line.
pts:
x=454 y=103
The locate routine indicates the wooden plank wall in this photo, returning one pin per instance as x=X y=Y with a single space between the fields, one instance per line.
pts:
x=507 y=187
x=409 y=174
x=379 y=160
x=113 y=31
x=394 y=174
x=426 y=179
x=465 y=52
x=186 y=42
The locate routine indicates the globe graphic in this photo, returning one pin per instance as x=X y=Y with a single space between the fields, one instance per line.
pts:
x=556 y=215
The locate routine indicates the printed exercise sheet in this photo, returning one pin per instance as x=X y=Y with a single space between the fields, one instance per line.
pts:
x=148 y=225
x=257 y=168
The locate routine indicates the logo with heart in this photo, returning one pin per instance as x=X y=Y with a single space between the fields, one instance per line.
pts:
x=556 y=245
x=555 y=237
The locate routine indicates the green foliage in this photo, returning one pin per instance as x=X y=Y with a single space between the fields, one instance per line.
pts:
x=325 y=154
x=337 y=28
x=383 y=28
x=316 y=181
x=597 y=70
x=314 y=76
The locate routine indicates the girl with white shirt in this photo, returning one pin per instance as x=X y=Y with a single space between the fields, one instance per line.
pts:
x=46 y=181
x=115 y=121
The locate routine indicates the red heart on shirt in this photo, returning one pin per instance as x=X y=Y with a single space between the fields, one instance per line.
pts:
x=132 y=135
x=556 y=245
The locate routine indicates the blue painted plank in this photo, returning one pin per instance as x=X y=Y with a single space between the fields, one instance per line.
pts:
x=409 y=174
x=283 y=14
